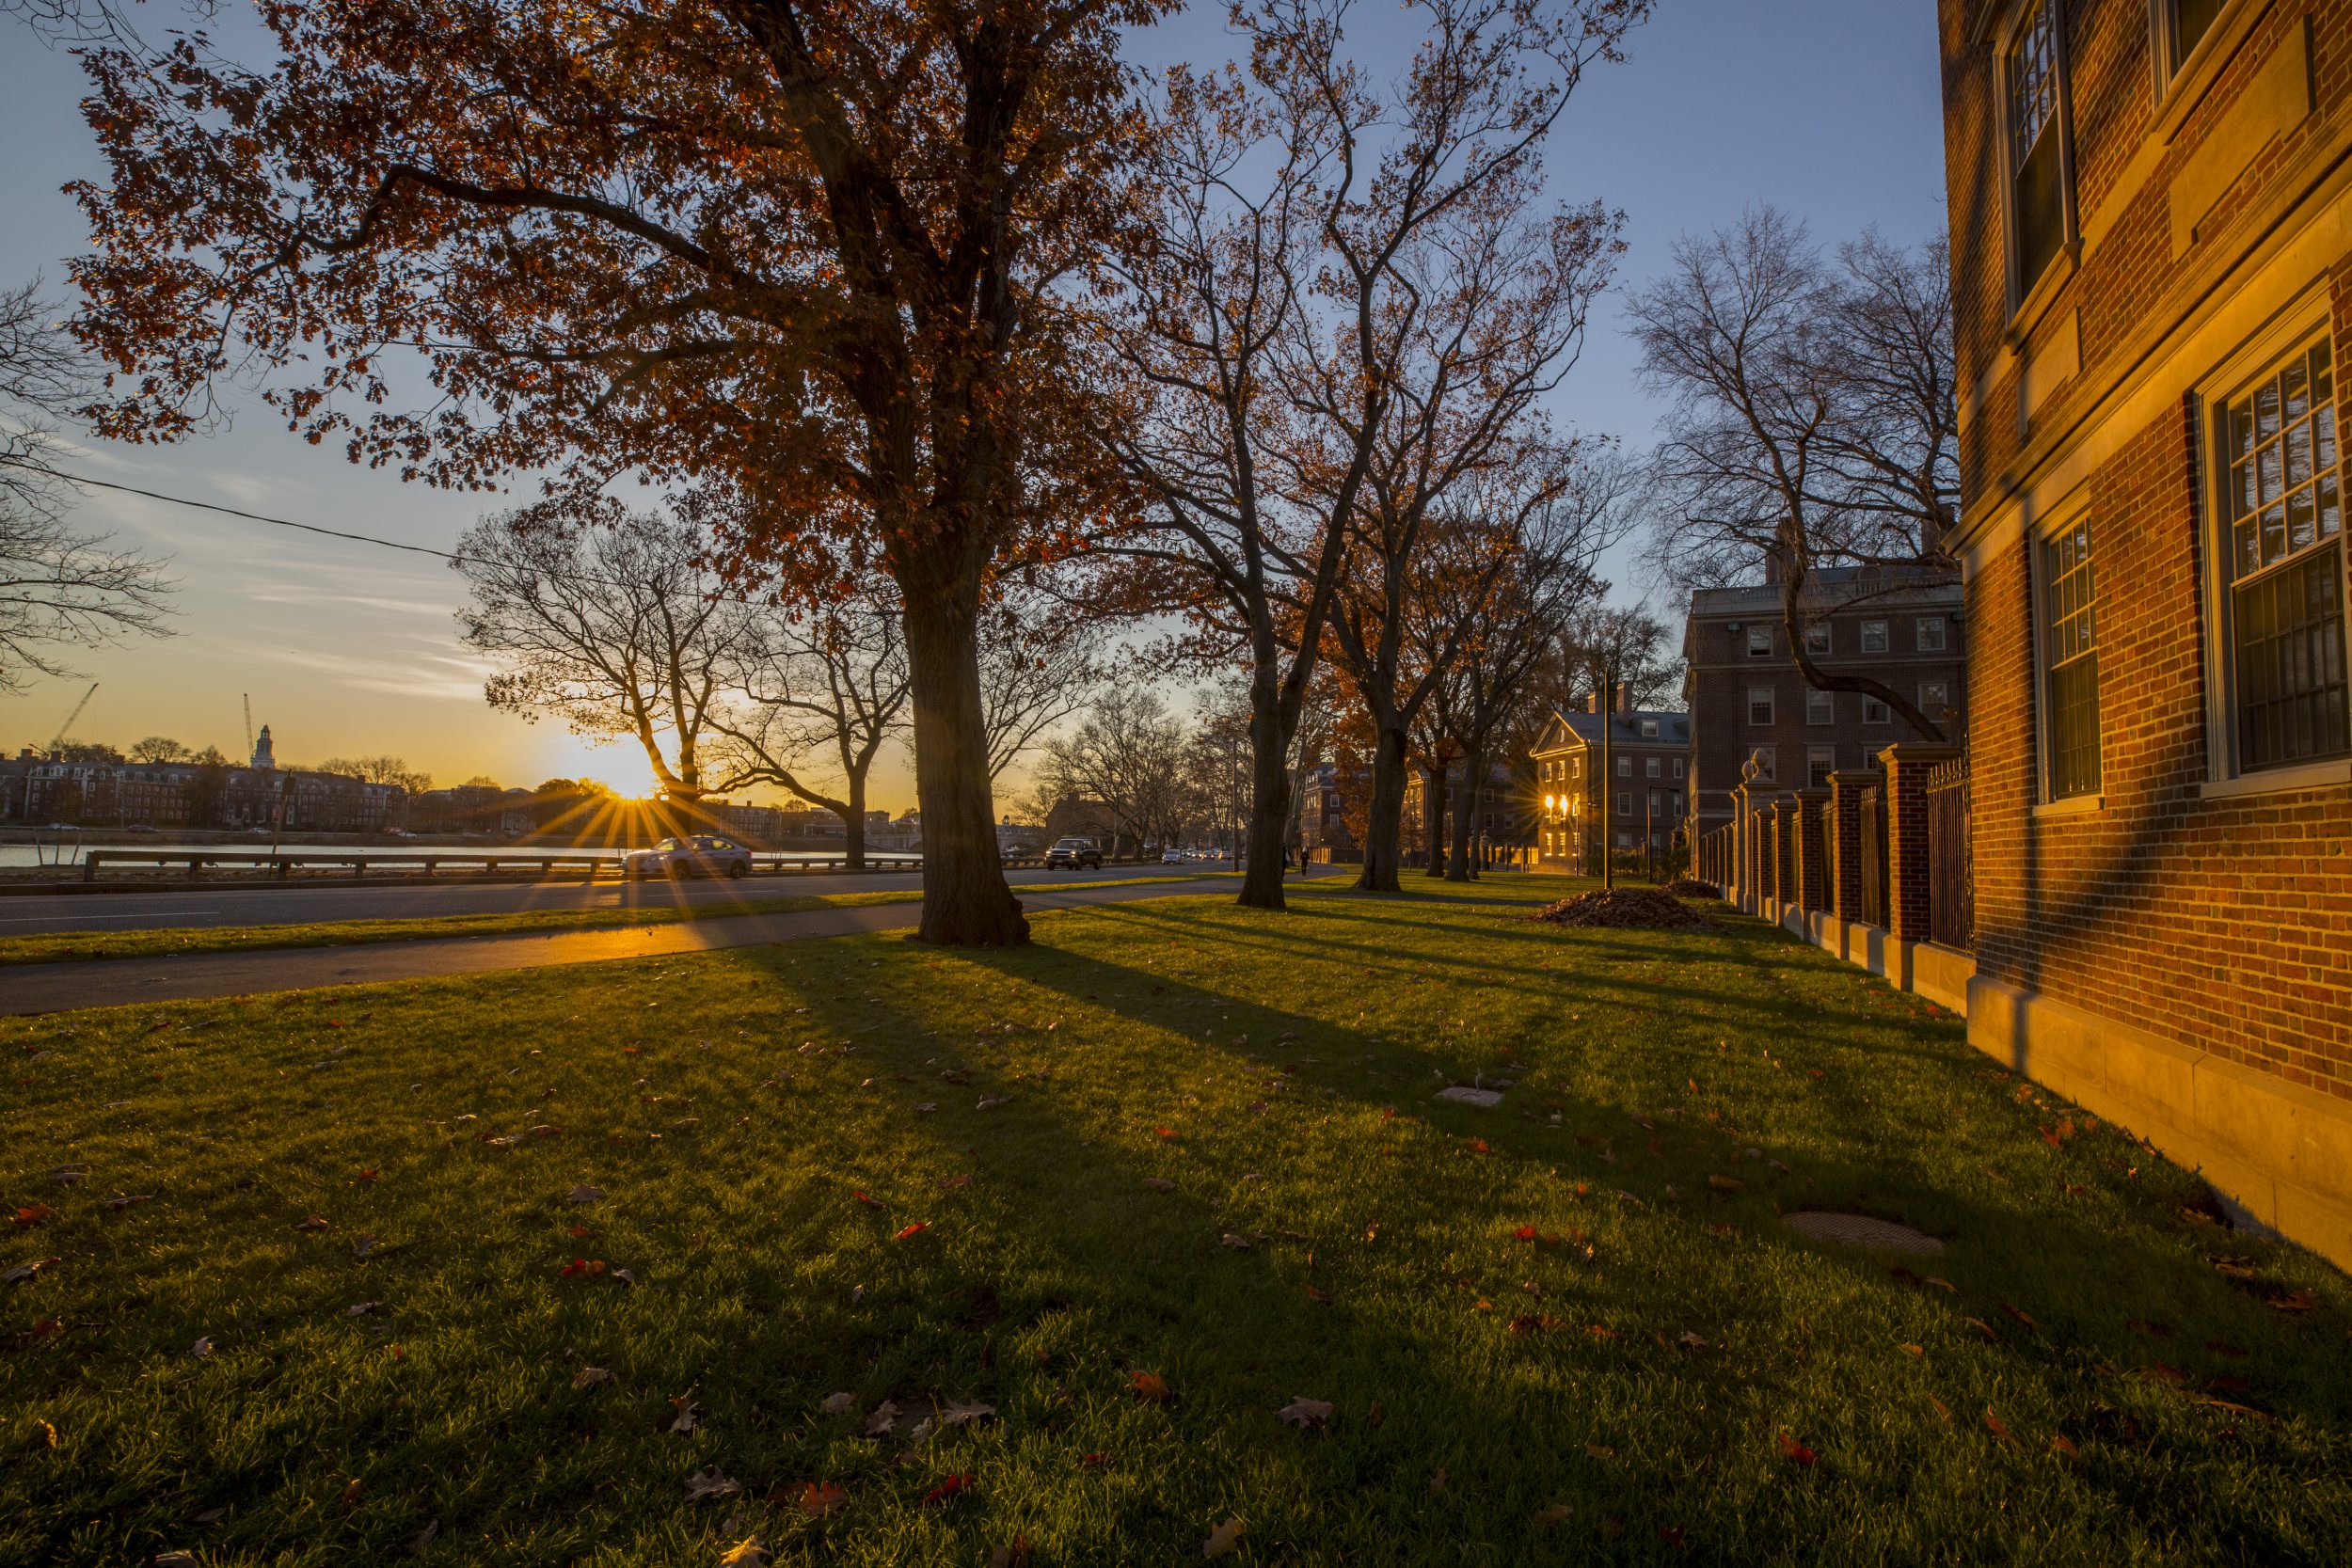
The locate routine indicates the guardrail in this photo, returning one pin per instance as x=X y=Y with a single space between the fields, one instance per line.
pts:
x=588 y=866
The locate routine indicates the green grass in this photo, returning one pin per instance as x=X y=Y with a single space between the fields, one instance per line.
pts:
x=1498 y=1400
x=78 y=947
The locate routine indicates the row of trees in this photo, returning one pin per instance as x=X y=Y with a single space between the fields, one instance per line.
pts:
x=920 y=309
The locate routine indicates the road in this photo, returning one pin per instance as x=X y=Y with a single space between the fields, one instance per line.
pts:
x=106 y=983
x=300 y=904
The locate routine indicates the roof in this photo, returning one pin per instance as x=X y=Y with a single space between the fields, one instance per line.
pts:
x=1673 y=729
x=1840 y=587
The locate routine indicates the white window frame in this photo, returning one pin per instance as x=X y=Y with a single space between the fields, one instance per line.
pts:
x=1820 y=707
x=1812 y=755
x=1649 y=729
x=1625 y=768
x=1625 y=802
x=1771 y=707
x=2172 y=67
x=2304 y=320
x=2063 y=518
x=2021 y=289
x=1653 y=767
x=1678 y=768
x=1885 y=714
x=1875 y=630
x=1760 y=634
x=1819 y=642
x=1922 y=642
x=1943 y=698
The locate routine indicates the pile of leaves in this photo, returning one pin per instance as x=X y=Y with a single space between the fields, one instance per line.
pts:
x=1691 y=887
x=1623 y=909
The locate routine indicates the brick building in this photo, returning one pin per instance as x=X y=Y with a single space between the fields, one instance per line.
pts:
x=1747 y=698
x=1502 y=819
x=1644 y=793
x=2152 y=254
x=90 y=793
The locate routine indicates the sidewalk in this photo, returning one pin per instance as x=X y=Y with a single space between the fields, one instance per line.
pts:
x=59 y=988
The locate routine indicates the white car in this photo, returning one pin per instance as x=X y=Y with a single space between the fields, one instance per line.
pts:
x=1173 y=857
x=699 y=856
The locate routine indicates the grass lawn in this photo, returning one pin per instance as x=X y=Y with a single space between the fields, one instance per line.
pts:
x=1136 y=1191
x=75 y=946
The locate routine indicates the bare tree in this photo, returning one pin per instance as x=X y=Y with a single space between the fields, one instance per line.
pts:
x=1132 y=757
x=607 y=620
x=380 y=770
x=1301 y=279
x=159 y=748
x=1043 y=656
x=1812 y=420
x=811 y=700
x=59 y=588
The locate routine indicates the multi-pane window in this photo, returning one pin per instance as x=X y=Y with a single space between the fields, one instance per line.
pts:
x=1820 y=763
x=2185 y=23
x=2071 y=662
x=1759 y=641
x=1678 y=768
x=1654 y=767
x=1820 y=707
x=1931 y=635
x=1876 y=712
x=1759 y=705
x=1649 y=729
x=2282 y=504
x=2037 y=170
x=1625 y=802
x=1625 y=768
x=1817 y=639
x=1874 y=637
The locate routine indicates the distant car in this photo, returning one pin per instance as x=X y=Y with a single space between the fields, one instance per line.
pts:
x=139 y=828
x=699 y=856
x=1173 y=857
x=1074 y=853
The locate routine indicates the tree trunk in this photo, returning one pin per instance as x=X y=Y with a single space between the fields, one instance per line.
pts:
x=853 y=825
x=1270 y=792
x=1463 y=869
x=1384 y=830
x=966 y=901
x=1435 y=797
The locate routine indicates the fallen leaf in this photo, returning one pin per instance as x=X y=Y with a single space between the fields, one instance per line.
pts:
x=362 y=1309
x=588 y=1377
x=582 y=1268
x=906 y=1231
x=584 y=1195
x=1321 y=1298
x=1437 y=1482
x=1691 y=1341
x=819 y=1499
x=992 y=1102
x=1942 y=1409
x=32 y=1214
x=1725 y=1183
x=1159 y=1183
x=1595 y=1450
x=1013 y=1555
x=1794 y=1452
x=1237 y=1243
x=948 y=1490
x=172 y=1560
x=709 y=1483
x=747 y=1553
x=1551 y=1516
x=1148 y=1387
x=2019 y=1315
x=24 y=1271
x=1913 y=1349
x=959 y=1414
x=365 y=1175
x=313 y=1223
x=952 y=1182
x=884 y=1418
x=350 y=1499
x=688 y=1413
x=835 y=1404
x=201 y=1349
x=2061 y=1443
x=1094 y=1460
x=1224 y=1540
x=1941 y=1284
x=1303 y=1412
x=362 y=1245
x=1995 y=1425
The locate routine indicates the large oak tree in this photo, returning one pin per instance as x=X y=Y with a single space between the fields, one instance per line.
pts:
x=821 y=251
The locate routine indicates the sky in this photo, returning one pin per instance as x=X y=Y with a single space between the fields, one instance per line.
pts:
x=1825 y=108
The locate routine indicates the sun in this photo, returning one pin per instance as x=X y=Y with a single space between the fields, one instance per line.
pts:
x=619 y=765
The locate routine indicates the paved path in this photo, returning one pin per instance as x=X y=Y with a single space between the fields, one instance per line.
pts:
x=299 y=903
x=106 y=983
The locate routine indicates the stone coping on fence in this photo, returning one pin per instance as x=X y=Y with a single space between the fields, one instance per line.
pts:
x=1939 y=974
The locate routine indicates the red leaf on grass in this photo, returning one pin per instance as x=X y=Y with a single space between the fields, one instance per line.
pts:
x=2019 y=1315
x=1794 y=1452
x=580 y=1268
x=915 y=1229
x=47 y=1326
x=948 y=1490
x=870 y=1203
x=1094 y=1460
x=1476 y=1145
x=819 y=1499
x=1994 y=1425
x=2061 y=1443
x=1151 y=1388
x=1166 y=1134
x=32 y=1215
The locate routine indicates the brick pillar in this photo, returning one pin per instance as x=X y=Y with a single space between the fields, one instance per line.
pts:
x=1812 y=854
x=1845 y=846
x=1907 y=763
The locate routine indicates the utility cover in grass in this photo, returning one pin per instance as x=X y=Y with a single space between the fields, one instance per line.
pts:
x=1486 y=1099
x=1623 y=909
x=1863 y=1231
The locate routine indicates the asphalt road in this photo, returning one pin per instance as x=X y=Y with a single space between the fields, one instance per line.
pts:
x=299 y=904
x=106 y=983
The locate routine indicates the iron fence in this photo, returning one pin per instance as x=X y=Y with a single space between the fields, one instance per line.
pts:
x=1874 y=855
x=1951 y=873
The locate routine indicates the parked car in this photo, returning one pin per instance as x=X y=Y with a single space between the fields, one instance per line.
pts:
x=1074 y=853
x=699 y=856
x=1173 y=857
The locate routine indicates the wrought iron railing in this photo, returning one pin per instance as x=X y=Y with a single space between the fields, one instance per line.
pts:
x=1951 y=871
x=1874 y=855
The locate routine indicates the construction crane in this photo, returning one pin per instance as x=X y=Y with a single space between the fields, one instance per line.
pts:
x=248 y=725
x=60 y=738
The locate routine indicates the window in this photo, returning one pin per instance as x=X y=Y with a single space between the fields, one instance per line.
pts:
x=1655 y=768
x=1678 y=768
x=2283 y=515
x=1625 y=768
x=1759 y=641
x=1820 y=763
x=1876 y=712
x=1874 y=637
x=1759 y=705
x=2069 y=676
x=1934 y=697
x=1817 y=640
x=1625 y=802
x=1674 y=802
x=1649 y=729
x=1625 y=840
x=1820 y=707
x=2181 y=25
x=1930 y=634
x=1657 y=802
x=2033 y=83
x=1767 y=766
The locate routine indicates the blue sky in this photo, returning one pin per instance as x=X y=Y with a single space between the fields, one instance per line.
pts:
x=1826 y=109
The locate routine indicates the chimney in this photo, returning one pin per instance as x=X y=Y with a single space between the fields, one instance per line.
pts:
x=1592 y=703
x=1625 y=698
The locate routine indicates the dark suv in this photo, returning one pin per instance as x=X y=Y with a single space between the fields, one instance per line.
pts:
x=1072 y=852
